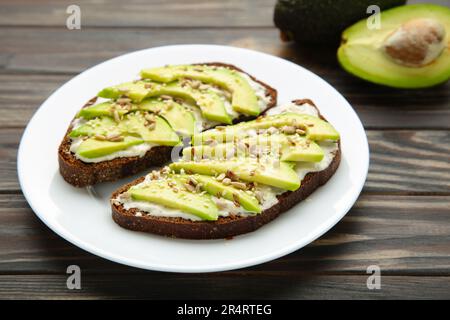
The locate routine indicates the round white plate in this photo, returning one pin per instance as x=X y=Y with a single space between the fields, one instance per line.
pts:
x=83 y=217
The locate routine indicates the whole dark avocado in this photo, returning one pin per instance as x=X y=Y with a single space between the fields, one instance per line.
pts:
x=322 y=21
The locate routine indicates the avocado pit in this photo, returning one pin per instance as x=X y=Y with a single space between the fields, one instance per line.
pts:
x=416 y=42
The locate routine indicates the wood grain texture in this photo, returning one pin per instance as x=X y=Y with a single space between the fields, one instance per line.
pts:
x=141 y=13
x=281 y=286
x=401 y=234
x=402 y=161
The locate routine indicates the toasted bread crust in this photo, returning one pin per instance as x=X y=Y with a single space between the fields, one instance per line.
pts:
x=224 y=227
x=81 y=174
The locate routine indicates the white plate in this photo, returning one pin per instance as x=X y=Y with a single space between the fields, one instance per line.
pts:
x=83 y=216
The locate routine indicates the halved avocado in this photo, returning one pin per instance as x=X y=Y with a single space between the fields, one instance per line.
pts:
x=410 y=50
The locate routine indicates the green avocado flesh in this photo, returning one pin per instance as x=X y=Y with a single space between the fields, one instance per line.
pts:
x=244 y=99
x=316 y=129
x=218 y=189
x=278 y=174
x=131 y=124
x=162 y=134
x=361 y=51
x=210 y=103
x=288 y=148
x=160 y=192
x=93 y=148
x=179 y=117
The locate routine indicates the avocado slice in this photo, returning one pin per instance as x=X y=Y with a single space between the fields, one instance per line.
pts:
x=279 y=175
x=243 y=99
x=92 y=148
x=410 y=50
x=180 y=118
x=158 y=131
x=217 y=188
x=160 y=192
x=315 y=128
x=102 y=126
x=291 y=148
x=209 y=102
x=100 y=110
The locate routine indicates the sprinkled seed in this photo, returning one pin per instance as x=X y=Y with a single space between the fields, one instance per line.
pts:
x=220 y=177
x=123 y=100
x=252 y=173
x=239 y=185
x=100 y=137
x=226 y=181
x=236 y=200
x=198 y=187
x=230 y=174
x=138 y=214
x=116 y=115
x=193 y=181
x=148 y=86
x=300 y=131
x=288 y=129
x=165 y=97
x=175 y=190
x=189 y=187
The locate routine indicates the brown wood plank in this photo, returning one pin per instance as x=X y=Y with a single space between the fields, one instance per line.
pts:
x=116 y=13
x=402 y=161
x=213 y=286
x=401 y=234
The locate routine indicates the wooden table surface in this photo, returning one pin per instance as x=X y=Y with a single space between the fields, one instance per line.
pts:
x=401 y=221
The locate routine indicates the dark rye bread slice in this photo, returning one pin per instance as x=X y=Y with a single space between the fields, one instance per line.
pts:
x=224 y=227
x=82 y=174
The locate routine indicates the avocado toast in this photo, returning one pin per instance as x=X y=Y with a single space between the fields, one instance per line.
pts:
x=133 y=126
x=234 y=179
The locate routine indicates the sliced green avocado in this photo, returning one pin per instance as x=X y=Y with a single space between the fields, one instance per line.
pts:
x=159 y=192
x=136 y=91
x=316 y=128
x=368 y=53
x=101 y=126
x=92 y=148
x=217 y=188
x=244 y=99
x=157 y=131
x=180 y=118
x=100 y=110
x=291 y=148
x=209 y=102
x=280 y=175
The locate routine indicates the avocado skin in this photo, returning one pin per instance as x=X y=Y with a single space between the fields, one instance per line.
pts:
x=322 y=21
